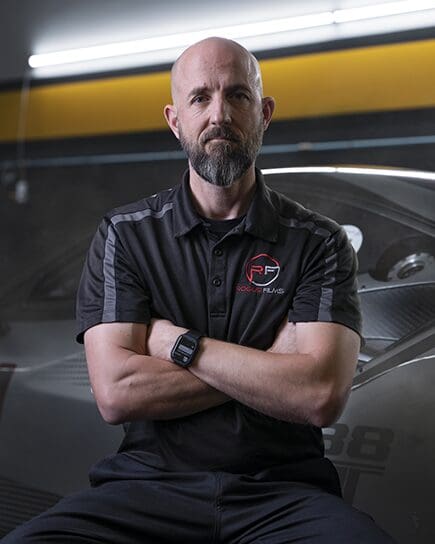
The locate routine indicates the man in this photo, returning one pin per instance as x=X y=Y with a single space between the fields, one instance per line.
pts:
x=220 y=321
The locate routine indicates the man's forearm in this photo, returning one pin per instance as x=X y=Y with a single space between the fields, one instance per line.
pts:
x=157 y=389
x=129 y=385
x=276 y=384
x=305 y=380
x=165 y=391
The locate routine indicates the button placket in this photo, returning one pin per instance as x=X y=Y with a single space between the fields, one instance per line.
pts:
x=217 y=300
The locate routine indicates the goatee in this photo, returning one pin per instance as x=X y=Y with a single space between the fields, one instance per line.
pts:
x=227 y=160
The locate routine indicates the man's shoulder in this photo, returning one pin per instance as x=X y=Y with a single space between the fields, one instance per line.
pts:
x=294 y=215
x=154 y=206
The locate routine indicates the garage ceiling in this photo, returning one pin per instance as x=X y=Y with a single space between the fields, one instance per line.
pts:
x=29 y=26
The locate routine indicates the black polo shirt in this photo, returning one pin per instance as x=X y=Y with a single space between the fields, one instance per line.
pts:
x=154 y=258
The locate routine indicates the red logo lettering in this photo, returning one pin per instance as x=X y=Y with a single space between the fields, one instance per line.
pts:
x=262 y=270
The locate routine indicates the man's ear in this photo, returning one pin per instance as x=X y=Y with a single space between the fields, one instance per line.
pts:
x=171 y=117
x=268 y=105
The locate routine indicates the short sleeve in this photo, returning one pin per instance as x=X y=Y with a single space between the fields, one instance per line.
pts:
x=327 y=290
x=111 y=288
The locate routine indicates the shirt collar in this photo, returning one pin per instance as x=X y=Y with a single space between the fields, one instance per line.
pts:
x=261 y=218
x=185 y=215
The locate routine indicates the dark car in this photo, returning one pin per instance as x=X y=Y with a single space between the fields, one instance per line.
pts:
x=383 y=444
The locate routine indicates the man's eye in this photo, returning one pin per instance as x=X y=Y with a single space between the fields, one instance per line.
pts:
x=199 y=99
x=241 y=96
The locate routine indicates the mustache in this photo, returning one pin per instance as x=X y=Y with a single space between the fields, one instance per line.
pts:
x=219 y=132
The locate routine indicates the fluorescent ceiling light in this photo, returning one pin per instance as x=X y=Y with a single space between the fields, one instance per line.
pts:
x=179 y=40
x=248 y=30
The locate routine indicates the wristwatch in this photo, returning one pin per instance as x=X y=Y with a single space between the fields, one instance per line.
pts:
x=185 y=348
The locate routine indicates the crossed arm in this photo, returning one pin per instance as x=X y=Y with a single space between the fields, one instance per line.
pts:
x=304 y=377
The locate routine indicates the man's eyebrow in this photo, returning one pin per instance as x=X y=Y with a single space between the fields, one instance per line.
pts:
x=238 y=87
x=197 y=90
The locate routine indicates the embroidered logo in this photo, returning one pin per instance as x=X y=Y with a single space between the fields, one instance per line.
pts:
x=262 y=270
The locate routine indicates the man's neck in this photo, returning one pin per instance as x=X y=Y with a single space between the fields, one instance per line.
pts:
x=222 y=202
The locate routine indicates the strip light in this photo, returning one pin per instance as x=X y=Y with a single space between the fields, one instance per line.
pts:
x=275 y=26
x=179 y=40
x=350 y=170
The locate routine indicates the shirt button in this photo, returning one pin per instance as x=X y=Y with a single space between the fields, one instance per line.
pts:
x=217 y=282
x=218 y=252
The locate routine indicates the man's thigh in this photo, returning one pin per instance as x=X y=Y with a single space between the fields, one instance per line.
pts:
x=284 y=512
x=128 y=512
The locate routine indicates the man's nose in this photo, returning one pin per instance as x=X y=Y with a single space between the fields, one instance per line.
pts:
x=220 y=111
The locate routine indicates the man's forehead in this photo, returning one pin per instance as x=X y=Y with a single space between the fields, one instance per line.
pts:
x=209 y=74
x=207 y=62
x=202 y=64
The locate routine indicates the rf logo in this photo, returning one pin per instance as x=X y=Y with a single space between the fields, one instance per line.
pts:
x=262 y=270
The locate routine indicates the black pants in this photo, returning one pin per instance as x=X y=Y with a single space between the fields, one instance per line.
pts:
x=202 y=508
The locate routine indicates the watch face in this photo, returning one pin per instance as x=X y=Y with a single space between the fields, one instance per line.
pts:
x=184 y=350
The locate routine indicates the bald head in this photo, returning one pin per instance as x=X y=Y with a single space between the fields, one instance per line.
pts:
x=215 y=53
x=218 y=111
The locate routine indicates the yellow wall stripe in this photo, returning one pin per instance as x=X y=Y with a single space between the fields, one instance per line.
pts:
x=360 y=80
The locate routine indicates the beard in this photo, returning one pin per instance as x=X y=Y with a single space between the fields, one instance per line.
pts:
x=226 y=161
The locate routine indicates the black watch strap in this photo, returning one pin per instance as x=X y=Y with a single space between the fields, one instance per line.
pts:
x=185 y=348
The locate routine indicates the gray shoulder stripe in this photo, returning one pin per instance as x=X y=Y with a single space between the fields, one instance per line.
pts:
x=109 y=307
x=330 y=258
x=141 y=214
x=330 y=241
x=331 y=263
x=326 y=294
x=325 y=305
x=309 y=225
